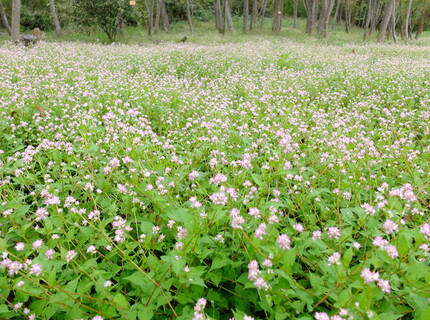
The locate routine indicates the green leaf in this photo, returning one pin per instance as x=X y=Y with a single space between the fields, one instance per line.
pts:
x=121 y=301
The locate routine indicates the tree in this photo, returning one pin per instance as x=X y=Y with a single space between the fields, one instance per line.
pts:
x=254 y=13
x=389 y=10
x=16 y=15
x=105 y=13
x=277 y=16
x=245 y=16
x=408 y=34
x=324 y=17
x=189 y=18
x=218 y=15
x=4 y=19
x=55 y=17
x=227 y=16
x=310 y=7
x=295 y=9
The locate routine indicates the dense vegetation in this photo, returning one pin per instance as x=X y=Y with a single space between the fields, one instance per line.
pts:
x=258 y=180
x=386 y=19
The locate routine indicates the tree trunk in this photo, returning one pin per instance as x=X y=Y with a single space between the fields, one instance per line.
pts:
x=227 y=14
x=150 y=17
x=189 y=18
x=324 y=17
x=393 y=24
x=310 y=6
x=347 y=16
x=254 y=13
x=55 y=17
x=157 y=16
x=420 y=29
x=16 y=15
x=277 y=16
x=408 y=15
x=164 y=16
x=368 y=19
x=4 y=19
x=263 y=13
x=295 y=9
x=336 y=14
x=389 y=8
x=376 y=12
x=218 y=16
x=245 y=16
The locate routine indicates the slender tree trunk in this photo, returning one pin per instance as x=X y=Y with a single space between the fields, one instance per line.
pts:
x=295 y=9
x=245 y=16
x=347 y=16
x=4 y=19
x=389 y=8
x=408 y=15
x=16 y=15
x=157 y=16
x=277 y=16
x=368 y=19
x=254 y=13
x=150 y=17
x=393 y=24
x=227 y=14
x=263 y=13
x=55 y=17
x=189 y=18
x=376 y=12
x=324 y=17
x=218 y=16
x=336 y=14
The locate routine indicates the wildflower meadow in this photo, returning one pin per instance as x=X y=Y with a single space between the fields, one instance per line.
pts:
x=253 y=180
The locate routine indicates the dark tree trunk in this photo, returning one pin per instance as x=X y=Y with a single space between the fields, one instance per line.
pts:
x=347 y=17
x=277 y=16
x=4 y=19
x=310 y=6
x=245 y=16
x=376 y=13
x=389 y=9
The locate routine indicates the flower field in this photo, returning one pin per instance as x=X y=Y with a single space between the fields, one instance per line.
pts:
x=254 y=180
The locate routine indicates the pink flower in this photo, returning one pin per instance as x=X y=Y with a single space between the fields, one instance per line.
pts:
x=284 y=242
x=390 y=226
x=384 y=285
x=334 y=258
x=37 y=244
x=299 y=228
x=219 y=198
x=334 y=232
x=260 y=231
x=36 y=269
x=369 y=276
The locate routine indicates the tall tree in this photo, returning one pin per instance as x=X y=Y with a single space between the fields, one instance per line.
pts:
x=227 y=15
x=218 y=15
x=254 y=14
x=4 y=19
x=336 y=14
x=245 y=16
x=408 y=34
x=164 y=16
x=189 y=17
x=389 y=9
x=55 y=17
x=326 y=10
x=277 y=16
x=150 y=17
x=295 y=9
x=310 y=7
x=16 y=16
